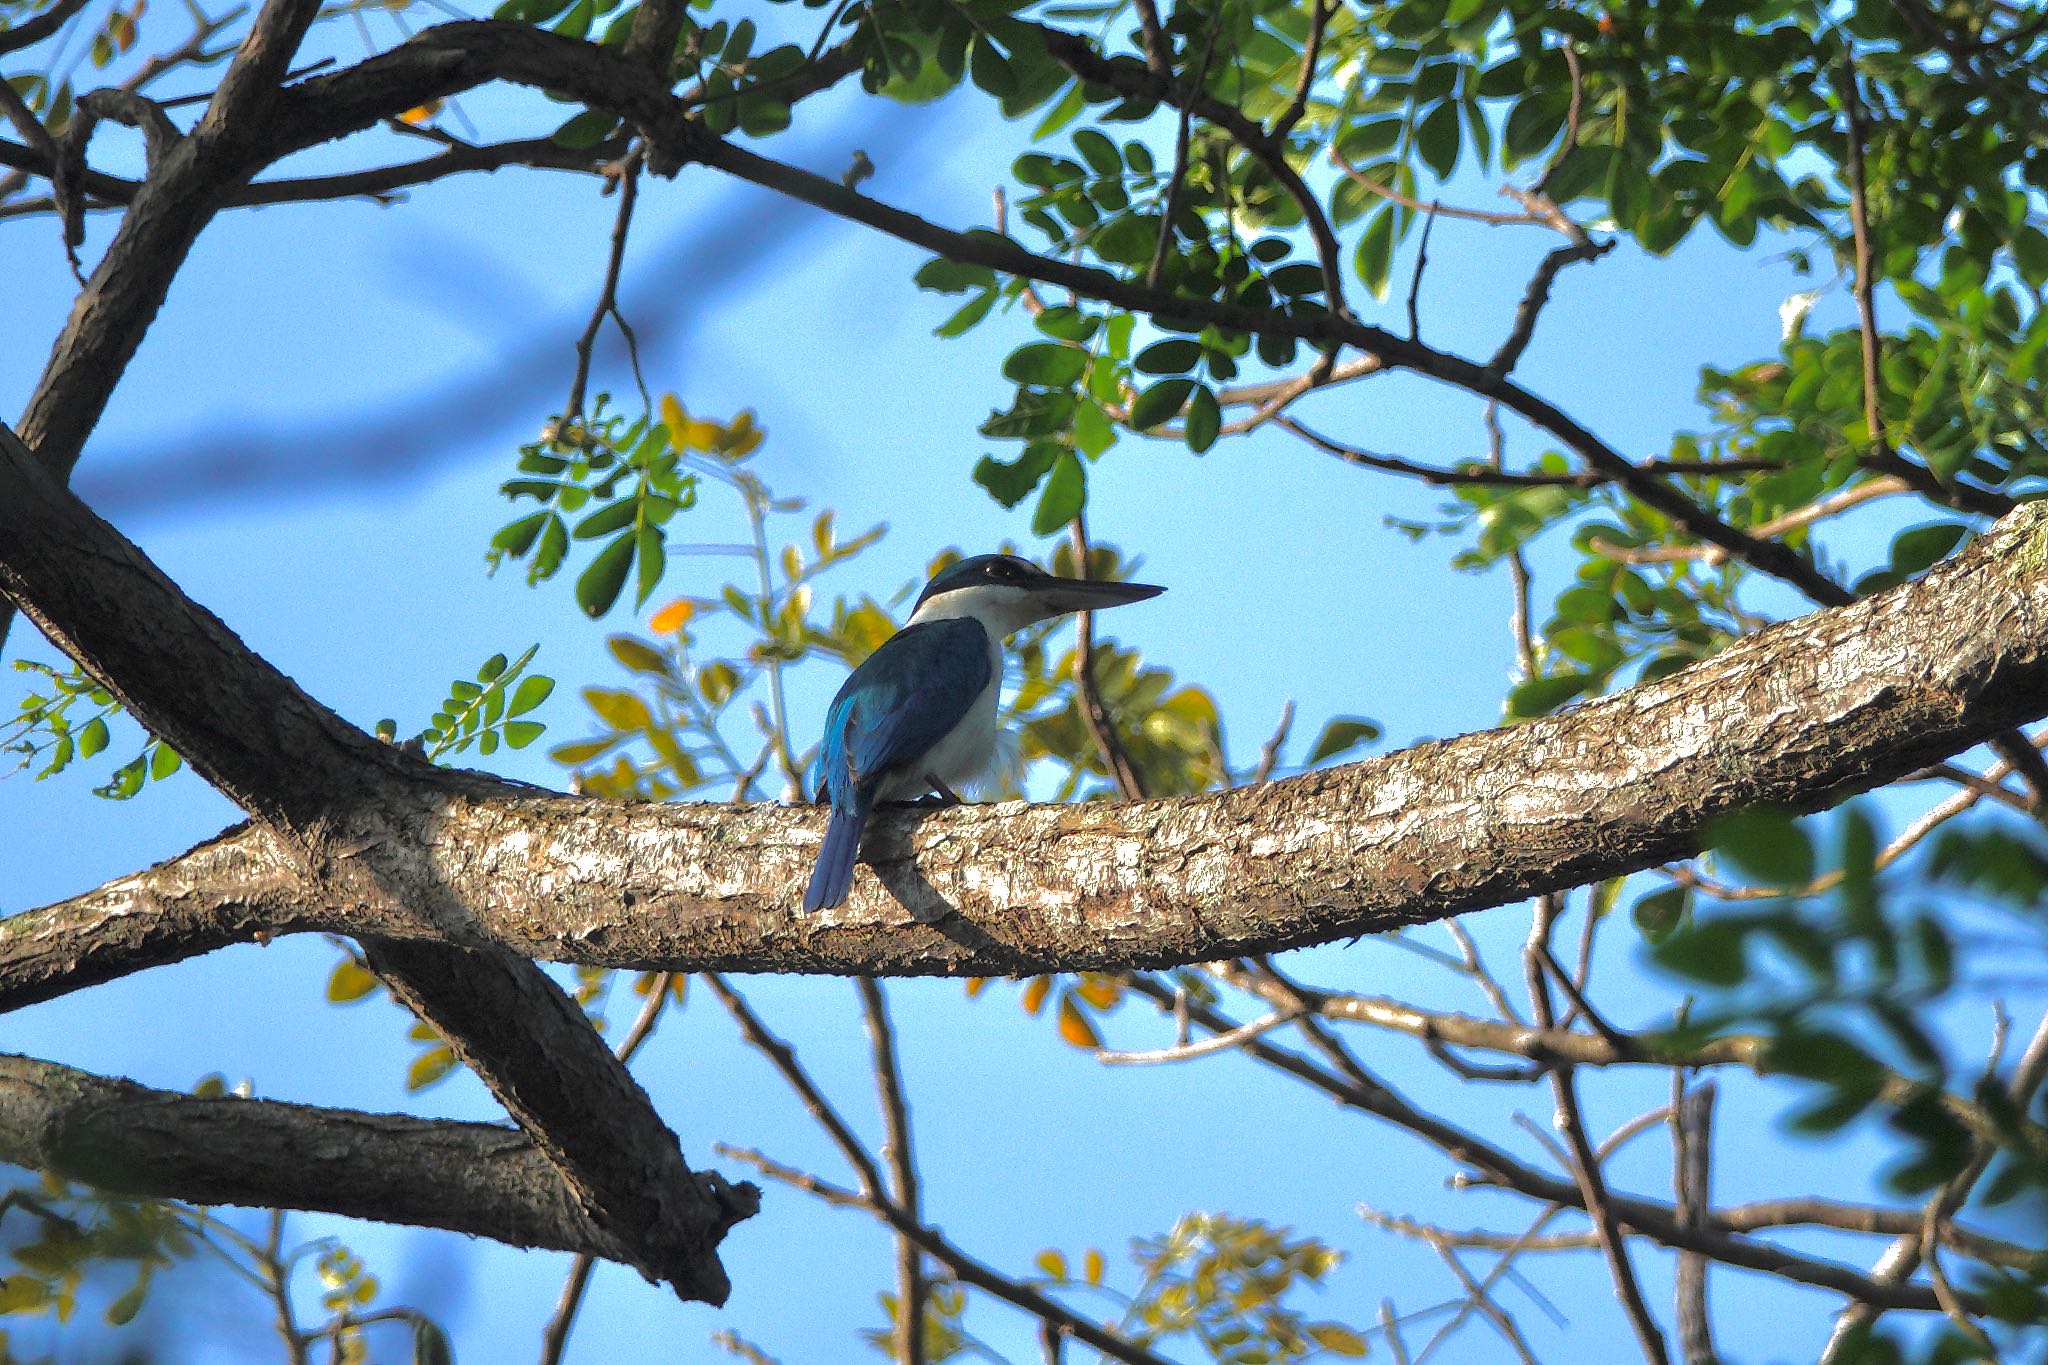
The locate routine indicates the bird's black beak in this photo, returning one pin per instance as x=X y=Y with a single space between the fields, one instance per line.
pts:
x=1063 y=595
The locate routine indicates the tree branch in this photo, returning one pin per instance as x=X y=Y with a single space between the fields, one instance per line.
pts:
x=480 y=1179
x=1800 y=714
x=339 y=804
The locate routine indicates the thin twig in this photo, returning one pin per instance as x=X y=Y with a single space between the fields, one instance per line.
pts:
x=1269 y=752
x=1882 y=455
x=896 y=1150
x=1158 y=56
x=1883 y=486
x=1484 y=1302
x=1116 y=759
x=1421 y=263
x=32 y=31
x=1480 y=476
x=1520 y=623
x=1182 y=1052
x=1585 y=1163
x=963 y=1267
x=608 y=296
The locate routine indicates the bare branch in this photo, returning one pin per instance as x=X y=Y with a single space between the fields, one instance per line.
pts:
x=1882 y=456
x=1585 y=1163
x=1123 y=774
x=962 y=1266
x=33 y=31
x=484 y=1180
x=1484 y=1303
x=628 y=183
x=1692 y=1118
x=904 y=1192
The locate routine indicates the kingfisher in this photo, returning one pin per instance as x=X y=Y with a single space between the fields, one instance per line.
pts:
x=918 y=717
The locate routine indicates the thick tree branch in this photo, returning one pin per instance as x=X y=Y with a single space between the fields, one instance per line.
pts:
x=337 y=804
x=1800 y=715
x=480 y=1179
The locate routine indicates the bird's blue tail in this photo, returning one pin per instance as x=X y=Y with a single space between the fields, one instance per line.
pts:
x=833 y=876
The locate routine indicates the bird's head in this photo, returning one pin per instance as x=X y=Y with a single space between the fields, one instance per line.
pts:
x=1006 y=593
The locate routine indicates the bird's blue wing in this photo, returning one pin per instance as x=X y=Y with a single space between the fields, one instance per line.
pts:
x=906 y=697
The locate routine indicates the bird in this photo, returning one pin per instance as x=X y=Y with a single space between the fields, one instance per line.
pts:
x=918 y=717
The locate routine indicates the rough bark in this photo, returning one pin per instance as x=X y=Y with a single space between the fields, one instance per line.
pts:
x=1799 y=715
x=481 y=1179
x=333 y=802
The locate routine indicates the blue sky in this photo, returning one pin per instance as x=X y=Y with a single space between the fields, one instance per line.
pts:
x=304 y=344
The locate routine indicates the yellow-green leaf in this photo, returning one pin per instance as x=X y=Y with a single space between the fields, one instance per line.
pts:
x=351 y=981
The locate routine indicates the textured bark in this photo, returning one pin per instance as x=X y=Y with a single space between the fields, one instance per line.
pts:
x=341 y=809
x=476 y=1178
x=1799 y=715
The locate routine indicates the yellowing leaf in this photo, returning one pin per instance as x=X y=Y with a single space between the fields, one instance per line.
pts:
x=1091 y=1266
x=976 y=985
x=420 y=113
x=674 y=616
x=742 y=437
x=1034 y=993
x=700 y=435
x=351 y=981
x=1075 y=1026
x=620 y=710
x=1052 y=1263
x=428 y=1067
x=1337 y=1340
x=675 y=419
x=1099 y=990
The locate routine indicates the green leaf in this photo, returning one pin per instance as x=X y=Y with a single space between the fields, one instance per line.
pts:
x=1099 y=152
x=1766 y=846
x=586 y=130
x=1176 y=355
x=581 y=751
x=653 y=558
x=1009 y=483
x=1045 y=364
x=429 y=1067
x=1662 y=911
x=164 y=762
x=1374 y=257
x=953 y=277
x=92 y=737
x=1160 y=402
x=1709 y=951
x=1066 y=492
x=430 y=1344
x=520 y=733
x=1541 y=696
x=969 y=313
x=1205 y=419
x=1437 y=138
x=1341 y=735
x=530 y=693
x=610 y=519
x=597 y=587
x=1918 y=548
